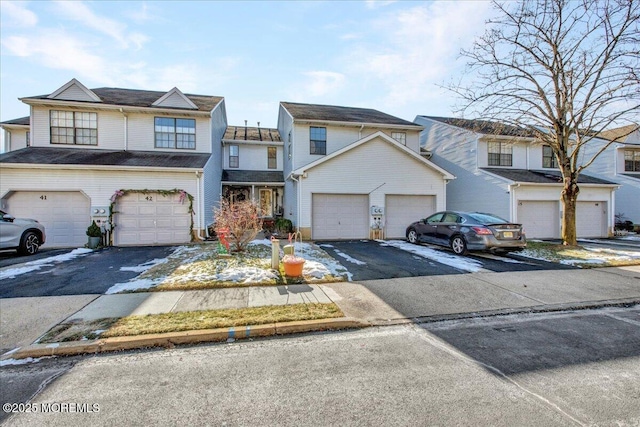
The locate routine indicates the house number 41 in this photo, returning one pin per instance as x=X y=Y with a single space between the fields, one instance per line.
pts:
x=43 y=197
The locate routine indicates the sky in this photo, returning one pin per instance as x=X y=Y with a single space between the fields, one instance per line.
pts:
x=391 y=56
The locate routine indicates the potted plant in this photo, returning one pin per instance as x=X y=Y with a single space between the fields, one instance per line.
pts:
x=95 y=235
x=293 y=265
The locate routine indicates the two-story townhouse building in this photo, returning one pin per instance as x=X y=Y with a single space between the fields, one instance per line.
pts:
x=135 y=161
x=352 y=173
x=252 y=167
x=619 y=162
x=504 y=170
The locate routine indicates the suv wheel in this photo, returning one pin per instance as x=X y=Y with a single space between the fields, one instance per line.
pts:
x=30 y=244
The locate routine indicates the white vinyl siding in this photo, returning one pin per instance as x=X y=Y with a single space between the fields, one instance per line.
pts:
x=376 y=168
x=253 y=157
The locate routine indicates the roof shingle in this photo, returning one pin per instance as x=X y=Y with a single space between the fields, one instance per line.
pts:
x=542 y=176
x=332 y=113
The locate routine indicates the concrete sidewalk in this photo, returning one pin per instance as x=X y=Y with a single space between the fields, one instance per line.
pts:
x=378 y=302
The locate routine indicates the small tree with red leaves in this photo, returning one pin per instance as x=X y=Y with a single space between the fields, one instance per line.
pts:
x=241 y=220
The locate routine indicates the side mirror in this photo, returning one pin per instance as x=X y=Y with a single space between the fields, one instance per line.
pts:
x=8 y=218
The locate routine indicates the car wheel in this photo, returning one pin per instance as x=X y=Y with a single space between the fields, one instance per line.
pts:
x=412 y=236
x=458 y=245
x=30 y=244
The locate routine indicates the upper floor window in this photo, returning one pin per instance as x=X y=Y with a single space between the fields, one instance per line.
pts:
x=318 y=140
x=401 y=137
x=500 y=154
x=548 y=158
x=234 y=156
x=272 y=157
x=74 y=127
x=632 y=160
x=175 y=133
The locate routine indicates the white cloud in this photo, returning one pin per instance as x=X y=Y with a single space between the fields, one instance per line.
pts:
x=18 y=14
x=419 y=49
x=80 y=12
x=374 y=4
x=323 y=82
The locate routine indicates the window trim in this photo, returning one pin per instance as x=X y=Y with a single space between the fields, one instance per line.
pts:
x=313 y=143
x=272 y=161
x=504 y=156
x=76 y=117
x=552 y=158
x=635 y=158
x=175 y=133
x=236 y=158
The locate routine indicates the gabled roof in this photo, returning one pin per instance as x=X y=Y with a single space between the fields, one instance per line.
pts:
x=619 y=134
x=384 y=137
x=82 y=156
x=142 y=98
x=542 y=176
x=22 y=121
x=235 y=175
x=332 y=113
x=484 y=126
x=244 y=133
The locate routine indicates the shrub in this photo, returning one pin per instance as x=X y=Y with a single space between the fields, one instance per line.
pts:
x=284 y=225
x=241 y=220
x=94 y=230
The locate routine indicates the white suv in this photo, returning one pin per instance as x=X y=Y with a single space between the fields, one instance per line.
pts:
x=25 y=235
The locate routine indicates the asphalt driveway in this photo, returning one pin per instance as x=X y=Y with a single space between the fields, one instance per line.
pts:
x=87 y=273
x=374 y=260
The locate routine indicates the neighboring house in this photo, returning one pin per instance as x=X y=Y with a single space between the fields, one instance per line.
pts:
x=506 y=171
x=620 y=162
x=252 y=168
x=87 y=145
x=16 y=134
x=352 y=172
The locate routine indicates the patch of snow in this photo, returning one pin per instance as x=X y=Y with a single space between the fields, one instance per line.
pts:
x=10 y=273
x=455 y=261
x=10 y=362
x=315 y=269
x=141 y=268
x=350 y=259
x=134 y=285
x=581 y=261
x=246 y=275
x=326 y=245
x=630 y=237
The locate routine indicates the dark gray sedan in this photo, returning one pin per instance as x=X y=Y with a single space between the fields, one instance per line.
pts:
x=468 y=231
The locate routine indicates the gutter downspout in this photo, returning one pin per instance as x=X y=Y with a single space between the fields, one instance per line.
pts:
x=514 y=201
x=360 y=132
x=200 y=207
x=299 y=185
x=126 y=130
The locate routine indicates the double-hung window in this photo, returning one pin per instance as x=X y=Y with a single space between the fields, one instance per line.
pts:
x=234 y=156
x=272 y=157
x=74 y=127
x=548 y=158
x=632 y=160
x=318 y=140
x=175 y=133
x=401 y=137
x=500 y=154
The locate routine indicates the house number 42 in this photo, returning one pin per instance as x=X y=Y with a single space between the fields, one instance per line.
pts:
x=149 y=198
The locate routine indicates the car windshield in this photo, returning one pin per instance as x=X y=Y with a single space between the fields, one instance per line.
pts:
x=487 y=219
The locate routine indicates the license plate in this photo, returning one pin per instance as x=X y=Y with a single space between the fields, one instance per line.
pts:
x=507 y=234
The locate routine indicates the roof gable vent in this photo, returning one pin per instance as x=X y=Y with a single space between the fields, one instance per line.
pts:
x=75 y=91
x=175 y=99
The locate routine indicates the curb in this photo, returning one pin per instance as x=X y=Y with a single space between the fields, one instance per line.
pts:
x=171 y=339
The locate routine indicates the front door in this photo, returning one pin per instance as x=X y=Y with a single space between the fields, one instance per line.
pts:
x=266 y=202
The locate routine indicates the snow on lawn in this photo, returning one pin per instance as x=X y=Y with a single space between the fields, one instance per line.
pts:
x=201 y=264
x=27 y=267
x=455 y=261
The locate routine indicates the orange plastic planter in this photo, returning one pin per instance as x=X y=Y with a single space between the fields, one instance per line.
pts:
x=293 y=268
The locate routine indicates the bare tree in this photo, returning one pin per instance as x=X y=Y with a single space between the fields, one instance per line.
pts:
x=239 y=221
x=564 y=69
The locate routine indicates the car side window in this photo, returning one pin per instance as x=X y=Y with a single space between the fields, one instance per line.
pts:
x=434 y=218
x=450 y=218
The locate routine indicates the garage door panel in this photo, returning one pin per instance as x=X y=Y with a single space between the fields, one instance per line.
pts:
x=64 y=214
x=591 y=219
x=340 y=216
x=402 y=210
x=540 y=218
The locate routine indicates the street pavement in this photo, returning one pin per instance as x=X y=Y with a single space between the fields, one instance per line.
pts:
x=377 y=302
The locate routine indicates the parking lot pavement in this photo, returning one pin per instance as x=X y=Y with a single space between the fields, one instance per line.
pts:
x=374 y=260
x=88 y=273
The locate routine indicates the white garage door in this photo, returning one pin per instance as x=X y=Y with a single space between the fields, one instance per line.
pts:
x=400 y=211
x=591 y=219
x=340 y=216
x=541 y=219
x=151 y=219
x=64 y=214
